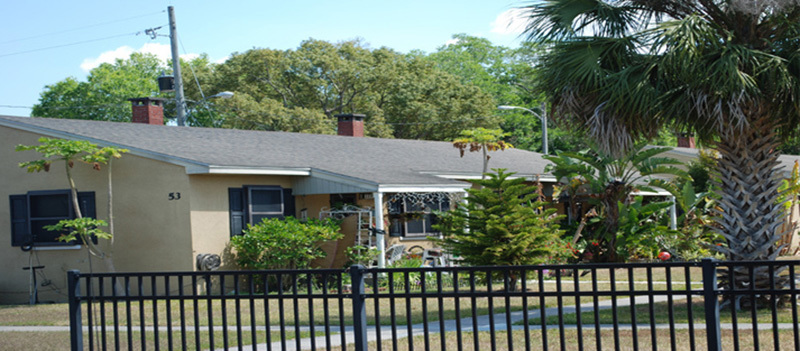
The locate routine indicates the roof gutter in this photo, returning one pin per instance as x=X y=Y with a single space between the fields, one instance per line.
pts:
x=212 y=169
x=444 y=188
x=473 y=176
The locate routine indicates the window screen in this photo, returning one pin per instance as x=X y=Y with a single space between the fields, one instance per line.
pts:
x=251 y=204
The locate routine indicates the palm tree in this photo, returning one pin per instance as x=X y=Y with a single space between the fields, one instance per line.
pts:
x=729 y=71
x=604 y=182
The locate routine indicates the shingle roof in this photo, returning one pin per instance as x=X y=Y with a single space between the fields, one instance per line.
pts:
x=382 y=161
x=685 y=154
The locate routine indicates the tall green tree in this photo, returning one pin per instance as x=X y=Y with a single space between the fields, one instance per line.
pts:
x=501 y=224
x=104 y=95
x=404 y=96
x=725 y=70
x=509 y=76
x=500 y=71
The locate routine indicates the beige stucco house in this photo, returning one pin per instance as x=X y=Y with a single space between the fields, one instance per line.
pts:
x=185 y=191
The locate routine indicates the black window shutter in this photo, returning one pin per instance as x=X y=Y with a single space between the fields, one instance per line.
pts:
x=86 y=203
x=237 y=206
x=88 y=208
x=20 y=235
x=288 y=203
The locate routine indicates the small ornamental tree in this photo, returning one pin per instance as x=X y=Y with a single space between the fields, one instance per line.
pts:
x=501 y=224
x=70 y=151
x=483 y=140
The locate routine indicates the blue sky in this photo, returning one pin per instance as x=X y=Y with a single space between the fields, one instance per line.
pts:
x=42 y=42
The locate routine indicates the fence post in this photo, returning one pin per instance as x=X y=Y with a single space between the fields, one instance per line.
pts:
x=359 y=307
x=75 y=327
x=711 y=299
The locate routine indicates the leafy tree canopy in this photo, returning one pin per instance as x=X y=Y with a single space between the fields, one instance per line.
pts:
x=403 y=96
x=104 y=95
x=301 y=90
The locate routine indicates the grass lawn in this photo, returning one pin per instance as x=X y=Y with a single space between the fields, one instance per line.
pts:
x=57 y=314
x=588 y=340
x=680 y=314
x=60 y=340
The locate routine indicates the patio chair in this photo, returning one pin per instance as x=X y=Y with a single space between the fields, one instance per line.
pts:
x=433 y=258
x=394 y=253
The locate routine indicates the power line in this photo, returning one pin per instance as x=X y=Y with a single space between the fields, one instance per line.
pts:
x=79 y=28
x=70 y=44
x=191 y=68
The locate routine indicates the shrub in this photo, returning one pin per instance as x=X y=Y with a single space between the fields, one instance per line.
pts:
x=283 y=244
x=360 y=254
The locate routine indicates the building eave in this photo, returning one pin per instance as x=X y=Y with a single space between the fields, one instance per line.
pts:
x=186 y=163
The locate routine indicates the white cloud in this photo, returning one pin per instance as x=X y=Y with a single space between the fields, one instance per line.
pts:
x=162 y=51
x=451 y=42
x=511 y=21
x=106 y=57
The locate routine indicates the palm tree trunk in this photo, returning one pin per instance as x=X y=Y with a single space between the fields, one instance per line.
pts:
x=749 y=215
x=615 y=192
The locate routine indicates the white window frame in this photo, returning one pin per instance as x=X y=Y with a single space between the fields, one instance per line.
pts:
x=251 y=213
x=428 y=213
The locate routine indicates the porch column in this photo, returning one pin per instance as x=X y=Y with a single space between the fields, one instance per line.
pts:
x=673 y=214
x=379 y=240
x=464 y=203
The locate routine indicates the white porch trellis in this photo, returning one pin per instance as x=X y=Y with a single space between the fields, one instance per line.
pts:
x=365 y=216
x=422 y=198
x=415 y=197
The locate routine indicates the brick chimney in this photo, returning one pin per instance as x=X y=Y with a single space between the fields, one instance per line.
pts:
x=351 y=124
x=686 y=140
x=147 y=110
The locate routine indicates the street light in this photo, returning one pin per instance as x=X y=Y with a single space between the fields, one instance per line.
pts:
x=222 y=95
x=542 y=117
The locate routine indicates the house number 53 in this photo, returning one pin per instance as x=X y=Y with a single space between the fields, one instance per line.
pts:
x=174 y=196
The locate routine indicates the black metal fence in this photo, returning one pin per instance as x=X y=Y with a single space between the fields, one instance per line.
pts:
x=708 y=305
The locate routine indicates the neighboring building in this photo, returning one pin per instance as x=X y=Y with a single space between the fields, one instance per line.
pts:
x=185 y=191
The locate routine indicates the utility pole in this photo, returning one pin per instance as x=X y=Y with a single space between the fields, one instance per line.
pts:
x=180 y=102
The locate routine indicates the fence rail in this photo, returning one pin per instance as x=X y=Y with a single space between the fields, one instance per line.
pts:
x=708 y=305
